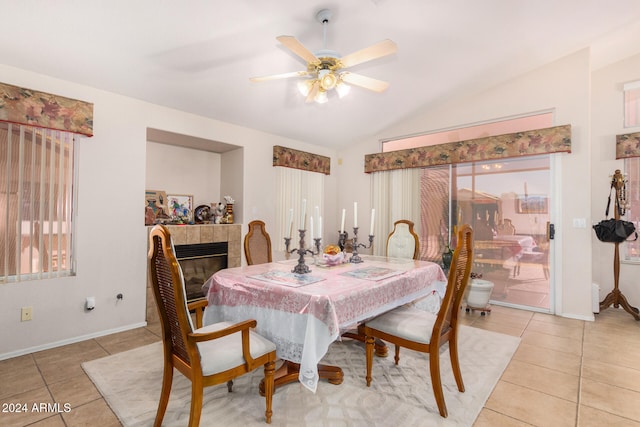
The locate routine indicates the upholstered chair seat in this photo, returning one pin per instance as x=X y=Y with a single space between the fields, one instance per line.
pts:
x=226 y=352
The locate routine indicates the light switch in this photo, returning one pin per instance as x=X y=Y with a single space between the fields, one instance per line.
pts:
x=579 y=223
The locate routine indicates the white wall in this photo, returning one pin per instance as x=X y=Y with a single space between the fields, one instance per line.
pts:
x=232 y=182
x=562 y=86
x=180 y=170
x=607 y=122
x=111 y=236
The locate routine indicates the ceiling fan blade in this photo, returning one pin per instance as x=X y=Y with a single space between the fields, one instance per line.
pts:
x=298 y=48
x=313 y=91
x=279 y=76
x=378 y=50
x=364 y=81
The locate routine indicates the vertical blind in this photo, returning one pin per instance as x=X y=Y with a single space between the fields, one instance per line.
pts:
x=36 y=202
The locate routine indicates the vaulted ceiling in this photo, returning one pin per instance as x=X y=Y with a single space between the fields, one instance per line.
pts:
x=198 y=56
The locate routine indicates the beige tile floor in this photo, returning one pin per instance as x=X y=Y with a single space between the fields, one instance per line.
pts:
x=565 y=373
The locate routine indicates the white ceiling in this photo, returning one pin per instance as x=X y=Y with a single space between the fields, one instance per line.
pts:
x=198 y=56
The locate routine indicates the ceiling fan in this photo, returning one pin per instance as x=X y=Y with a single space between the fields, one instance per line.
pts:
x=326 y=69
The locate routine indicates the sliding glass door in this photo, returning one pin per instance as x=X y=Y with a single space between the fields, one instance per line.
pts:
x=507 y=203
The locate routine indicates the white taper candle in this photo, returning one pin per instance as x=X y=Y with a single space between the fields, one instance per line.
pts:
x=373 y=215
x=290 y=222
x=344 y=211
x=303 y=213
x=355 y=214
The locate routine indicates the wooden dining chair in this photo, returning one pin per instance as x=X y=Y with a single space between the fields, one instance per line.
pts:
x=208 y=355
x=506 y=228
x=257 y=244
x=422 y=331
x=403 y=241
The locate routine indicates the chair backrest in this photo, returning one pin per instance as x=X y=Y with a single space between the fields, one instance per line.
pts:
x=167 y=282
x=257 y=244
x=459 y=273
x=506 y=228
x=482 y=230
x=403 y=241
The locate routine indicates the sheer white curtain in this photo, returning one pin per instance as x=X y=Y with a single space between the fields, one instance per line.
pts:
x=394 y=195
x=294 y=185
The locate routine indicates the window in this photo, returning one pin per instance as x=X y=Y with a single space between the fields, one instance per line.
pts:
x=632 y=196
x=436 y=226
x=36 y=203
x=509 y=125
x=632 y=168
x=505 y=199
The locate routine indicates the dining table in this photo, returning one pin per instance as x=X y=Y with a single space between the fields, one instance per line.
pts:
x=302 y=314
x=506 y=250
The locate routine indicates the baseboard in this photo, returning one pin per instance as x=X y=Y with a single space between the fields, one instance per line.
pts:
x=70 y=341
x=587 y=318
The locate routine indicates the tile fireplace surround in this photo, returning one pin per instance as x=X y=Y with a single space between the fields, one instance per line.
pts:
x=201 y=233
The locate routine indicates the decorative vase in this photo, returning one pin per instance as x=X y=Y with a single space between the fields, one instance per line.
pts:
x=229 y=215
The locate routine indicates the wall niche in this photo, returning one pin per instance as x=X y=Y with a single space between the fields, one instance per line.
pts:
x=206 y=169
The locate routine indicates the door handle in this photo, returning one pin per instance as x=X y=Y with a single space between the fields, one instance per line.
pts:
x=551 y=231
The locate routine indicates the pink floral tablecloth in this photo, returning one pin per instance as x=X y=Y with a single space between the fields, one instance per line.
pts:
x=304 y=314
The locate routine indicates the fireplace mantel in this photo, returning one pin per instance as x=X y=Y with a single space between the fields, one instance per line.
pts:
x=211 y=233
x=202 y=233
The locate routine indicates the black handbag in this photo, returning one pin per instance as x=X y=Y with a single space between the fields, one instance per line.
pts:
x=614 y=230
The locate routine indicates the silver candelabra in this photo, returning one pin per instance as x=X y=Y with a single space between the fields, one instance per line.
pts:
x=301 y=267
x=355 y=258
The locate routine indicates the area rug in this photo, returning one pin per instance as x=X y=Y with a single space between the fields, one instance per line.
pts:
x=399 y=395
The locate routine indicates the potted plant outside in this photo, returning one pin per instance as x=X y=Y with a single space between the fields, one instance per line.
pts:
x=447 y=256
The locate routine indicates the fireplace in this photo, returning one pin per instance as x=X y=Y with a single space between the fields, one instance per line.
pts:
x=198 y=262
x=194 y=235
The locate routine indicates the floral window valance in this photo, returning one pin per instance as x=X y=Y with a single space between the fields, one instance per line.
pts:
x=290 y=158
x=40 y=109
x=541 y=141
x=628 y=145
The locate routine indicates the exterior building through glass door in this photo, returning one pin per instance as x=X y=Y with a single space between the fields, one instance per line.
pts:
x=507 y=204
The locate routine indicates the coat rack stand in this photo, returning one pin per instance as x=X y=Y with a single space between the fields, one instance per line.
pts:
x=615 y=297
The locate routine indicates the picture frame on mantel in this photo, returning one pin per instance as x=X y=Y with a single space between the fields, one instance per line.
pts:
x=156 y=200
x=180 y=207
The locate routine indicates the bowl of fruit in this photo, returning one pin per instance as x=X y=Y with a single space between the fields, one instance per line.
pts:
x=333 y=255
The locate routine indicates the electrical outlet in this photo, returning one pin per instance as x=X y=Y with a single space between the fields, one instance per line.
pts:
x=27 y=313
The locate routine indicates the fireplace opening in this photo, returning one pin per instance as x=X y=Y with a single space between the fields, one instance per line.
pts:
x=198 y=262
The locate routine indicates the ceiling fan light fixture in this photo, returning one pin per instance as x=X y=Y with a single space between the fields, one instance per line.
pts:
x=327 y=79
x=327 y=69
x=304 y=87
x=342 y=89
x=321 y=97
